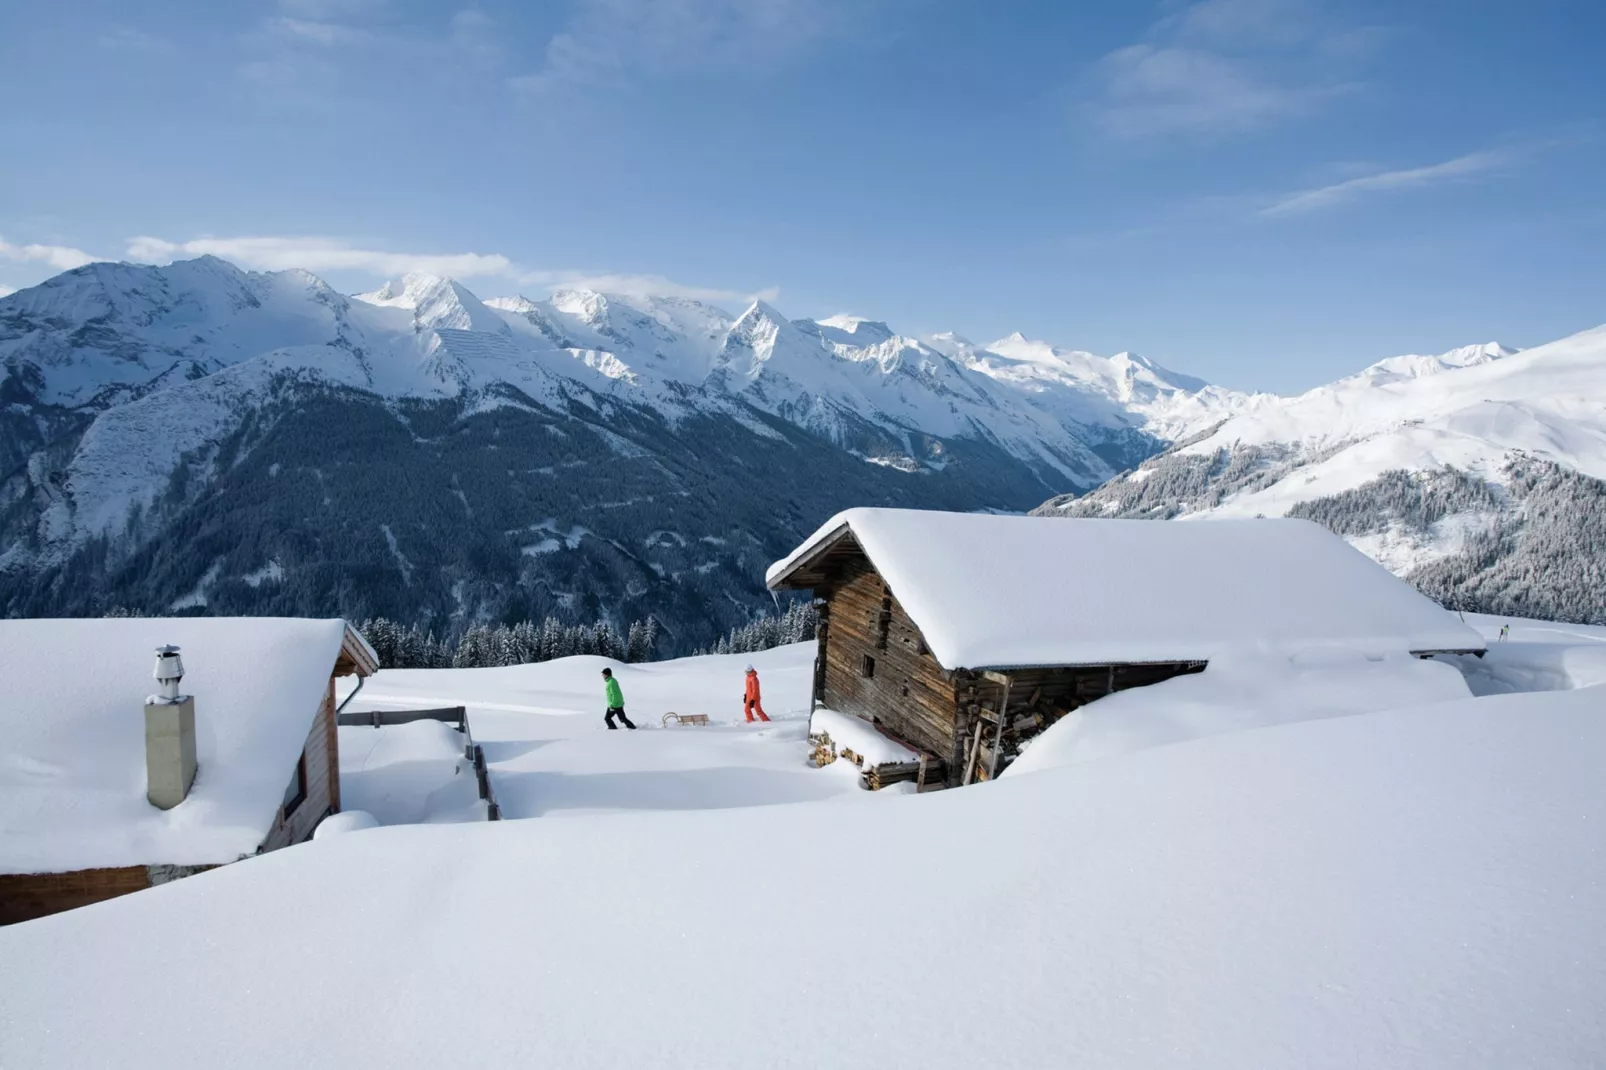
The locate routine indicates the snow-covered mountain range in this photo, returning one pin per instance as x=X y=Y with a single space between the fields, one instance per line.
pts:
x=1476 y=473
x=197 y=436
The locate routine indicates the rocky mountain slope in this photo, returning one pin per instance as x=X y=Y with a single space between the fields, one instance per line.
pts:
x=199 y=438
x=1478 y=474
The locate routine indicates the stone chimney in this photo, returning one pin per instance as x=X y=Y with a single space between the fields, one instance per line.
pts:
x=169 y=735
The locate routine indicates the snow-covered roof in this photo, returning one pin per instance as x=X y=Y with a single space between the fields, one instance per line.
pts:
x=72 y=736
x=990 y=591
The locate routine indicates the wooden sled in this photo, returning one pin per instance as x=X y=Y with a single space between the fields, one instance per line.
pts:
x=684 y=718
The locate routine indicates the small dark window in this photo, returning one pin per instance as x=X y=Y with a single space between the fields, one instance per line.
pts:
x=296 y=793
x=867 y=670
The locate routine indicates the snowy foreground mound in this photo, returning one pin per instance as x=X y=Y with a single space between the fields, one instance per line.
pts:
x=1419 y=887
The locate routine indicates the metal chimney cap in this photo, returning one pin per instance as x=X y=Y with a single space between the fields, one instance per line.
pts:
x=166 y=651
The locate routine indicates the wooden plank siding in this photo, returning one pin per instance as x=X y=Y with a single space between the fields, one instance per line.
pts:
x=911 y=696
x=321 y=756
x=25 y=896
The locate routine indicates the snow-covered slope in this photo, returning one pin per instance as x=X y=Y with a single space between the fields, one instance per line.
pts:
x=1416 y=459
x=165 y=430
x=1417 y=887
x=1549 y=402
x=130 y=395
x=116 y=374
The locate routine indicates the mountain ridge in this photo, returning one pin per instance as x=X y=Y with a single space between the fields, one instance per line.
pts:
x=134 y=400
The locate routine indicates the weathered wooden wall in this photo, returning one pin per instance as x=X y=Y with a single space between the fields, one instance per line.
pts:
x=1039 y=697
x=910 y=695
x=25 y=896
x=321 y=753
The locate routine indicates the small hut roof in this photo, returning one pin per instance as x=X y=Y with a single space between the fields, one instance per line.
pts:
x=72 y=735
x=991 y=591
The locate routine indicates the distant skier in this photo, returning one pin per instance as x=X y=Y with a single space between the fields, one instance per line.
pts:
x=1505 y=632
x=751 y=702
x=616 y=700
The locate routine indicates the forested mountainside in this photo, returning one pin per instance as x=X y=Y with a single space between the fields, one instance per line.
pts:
x=1530 y=542
x=1476 y=474
x=195 y=438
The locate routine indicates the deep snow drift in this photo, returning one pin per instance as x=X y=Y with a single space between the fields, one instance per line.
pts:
x=1413 y=888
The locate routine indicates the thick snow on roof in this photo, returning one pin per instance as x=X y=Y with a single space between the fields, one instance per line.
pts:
x=72 y=736
x=1011 y=591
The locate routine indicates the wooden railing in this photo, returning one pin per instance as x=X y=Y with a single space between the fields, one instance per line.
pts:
x=455 y=715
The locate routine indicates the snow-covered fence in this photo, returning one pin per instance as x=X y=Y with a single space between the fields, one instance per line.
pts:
x=472 y=751
x=383 y=718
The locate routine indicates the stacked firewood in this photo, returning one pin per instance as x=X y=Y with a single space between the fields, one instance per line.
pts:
x=824 y=752
x=1019 y=729
x=879 y=776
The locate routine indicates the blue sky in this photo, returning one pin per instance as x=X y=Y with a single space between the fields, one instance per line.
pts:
x=1266 y=193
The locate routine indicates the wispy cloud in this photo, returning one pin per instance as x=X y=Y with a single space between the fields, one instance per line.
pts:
x=1219 y=67
x=326 y=34
x=324 y=53
x=127 y=39
x=1313 y=200
x=60 y=257
x=320 y=254
x=7 y=291
x=610 y=42
x=642 y=286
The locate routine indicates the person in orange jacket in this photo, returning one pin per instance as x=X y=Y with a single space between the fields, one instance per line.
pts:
x=751 y=702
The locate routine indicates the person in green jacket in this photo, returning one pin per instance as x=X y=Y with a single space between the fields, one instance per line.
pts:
x=616 y=700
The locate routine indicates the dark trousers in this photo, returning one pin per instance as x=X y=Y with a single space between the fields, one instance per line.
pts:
x=619 y=712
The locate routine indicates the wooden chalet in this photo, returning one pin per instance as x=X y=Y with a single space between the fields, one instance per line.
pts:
x=78 y=823
x=964 y=635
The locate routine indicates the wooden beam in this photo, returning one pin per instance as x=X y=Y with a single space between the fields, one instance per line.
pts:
x=971 y=753
x=807 y=561
x=998 y=736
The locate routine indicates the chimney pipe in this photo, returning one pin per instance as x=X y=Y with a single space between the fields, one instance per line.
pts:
x=169 y=734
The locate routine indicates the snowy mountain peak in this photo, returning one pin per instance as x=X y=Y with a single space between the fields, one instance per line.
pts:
x=517 y=303
x=762 y=310
x=436 y=302
x=857 y=331
x=588 y=306
x=1417 y=366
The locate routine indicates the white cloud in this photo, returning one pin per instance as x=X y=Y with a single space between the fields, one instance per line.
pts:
x=320 y=254
x=327 y=34
x=1311 y=200
x=60 y=257
x=331 y=10
x=317 y=254
x=7 y=291
x=1222 y=67
x=610 y=41
x=641 y=286
x=127 y=39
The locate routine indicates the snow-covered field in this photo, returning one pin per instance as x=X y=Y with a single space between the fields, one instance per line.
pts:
x=1414 y=880
x=549 y=752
